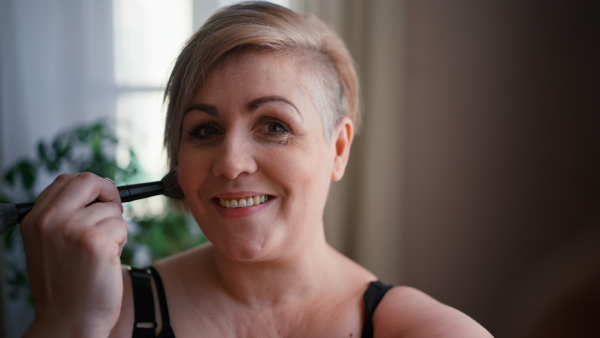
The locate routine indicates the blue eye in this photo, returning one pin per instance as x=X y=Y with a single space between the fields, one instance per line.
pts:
x=204 y=131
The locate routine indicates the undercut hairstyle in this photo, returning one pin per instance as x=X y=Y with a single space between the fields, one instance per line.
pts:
x=265 y=27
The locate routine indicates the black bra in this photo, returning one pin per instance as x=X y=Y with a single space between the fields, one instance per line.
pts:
x=143 y=299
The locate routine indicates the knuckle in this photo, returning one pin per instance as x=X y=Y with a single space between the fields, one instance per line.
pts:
x=44 y=221
x=63 y=178
x=122 y=230
x=114 y=206
x=110 y=209
x=91 y=241
x=119 y=226
x=87 y=176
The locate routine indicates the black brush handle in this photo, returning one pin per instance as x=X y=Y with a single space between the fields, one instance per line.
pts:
x=128 y=193
x=134 y=192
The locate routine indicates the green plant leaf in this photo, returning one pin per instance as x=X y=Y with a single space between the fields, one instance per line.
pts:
x=9 y=176
x=27 y=171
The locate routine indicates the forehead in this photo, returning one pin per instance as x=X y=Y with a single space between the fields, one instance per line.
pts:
x=253 y=73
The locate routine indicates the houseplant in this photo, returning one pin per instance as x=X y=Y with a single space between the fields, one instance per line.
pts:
x=90 y=147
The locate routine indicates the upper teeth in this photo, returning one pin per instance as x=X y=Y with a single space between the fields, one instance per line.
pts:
x=242 y=202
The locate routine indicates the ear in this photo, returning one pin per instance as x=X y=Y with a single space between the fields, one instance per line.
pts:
x=342 y=140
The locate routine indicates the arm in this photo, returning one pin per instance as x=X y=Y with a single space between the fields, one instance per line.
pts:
x=407 y=312
x=72 y=250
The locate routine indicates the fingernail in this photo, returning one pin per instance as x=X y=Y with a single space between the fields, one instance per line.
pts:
x=111 y=181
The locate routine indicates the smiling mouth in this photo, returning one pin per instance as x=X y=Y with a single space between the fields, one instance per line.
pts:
x=243 y=202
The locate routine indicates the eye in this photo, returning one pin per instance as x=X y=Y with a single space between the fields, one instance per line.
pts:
x=275 y=128
x=204 y=131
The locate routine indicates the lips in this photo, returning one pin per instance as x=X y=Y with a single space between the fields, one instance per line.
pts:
x=243 y=202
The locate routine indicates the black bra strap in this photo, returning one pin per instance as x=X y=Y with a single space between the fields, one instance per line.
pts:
x=372 y=297
x=166 y=330
x=143 y=300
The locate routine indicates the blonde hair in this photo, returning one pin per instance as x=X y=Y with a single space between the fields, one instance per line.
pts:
x=264 y=26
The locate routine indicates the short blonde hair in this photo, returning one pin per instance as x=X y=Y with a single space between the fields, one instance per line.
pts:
x=269 y=27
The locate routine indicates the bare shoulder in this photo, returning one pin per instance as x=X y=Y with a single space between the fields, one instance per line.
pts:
x=408 y=312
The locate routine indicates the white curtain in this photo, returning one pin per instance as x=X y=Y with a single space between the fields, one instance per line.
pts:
x=55 y=70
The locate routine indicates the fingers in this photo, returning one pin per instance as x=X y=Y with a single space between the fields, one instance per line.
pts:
x=91 y=229
x=90 y=236
x=82 y=189
x=76 y=279
x=66 y=204
x=73 y=250
x=70 y=192
x=105 y=239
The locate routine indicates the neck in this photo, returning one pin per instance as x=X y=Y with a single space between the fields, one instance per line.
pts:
x=298 y=274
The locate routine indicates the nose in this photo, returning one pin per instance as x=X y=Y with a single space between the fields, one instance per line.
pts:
x=235 y=157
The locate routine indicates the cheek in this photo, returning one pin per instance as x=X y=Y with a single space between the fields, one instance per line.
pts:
x=191 y=170
x=303 y=172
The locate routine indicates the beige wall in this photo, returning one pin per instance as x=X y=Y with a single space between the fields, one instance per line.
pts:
x=502 y=150
x=363 y=214
x=476 y=177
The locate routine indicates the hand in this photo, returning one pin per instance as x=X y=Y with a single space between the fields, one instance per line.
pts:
x=73 y=256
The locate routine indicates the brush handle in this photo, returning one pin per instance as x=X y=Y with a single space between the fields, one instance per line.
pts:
x=128 y=193
x=135 y=192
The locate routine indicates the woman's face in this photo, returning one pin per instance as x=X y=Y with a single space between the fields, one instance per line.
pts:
x=254 y=163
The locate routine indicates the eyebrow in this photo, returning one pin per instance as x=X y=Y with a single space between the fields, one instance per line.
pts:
x=207 y=108
x=254 y=104
x=251 y=106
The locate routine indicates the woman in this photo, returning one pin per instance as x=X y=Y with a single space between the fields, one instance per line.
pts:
x=263 y=104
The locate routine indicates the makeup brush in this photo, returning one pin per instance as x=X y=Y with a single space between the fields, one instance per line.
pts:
x=12 y=214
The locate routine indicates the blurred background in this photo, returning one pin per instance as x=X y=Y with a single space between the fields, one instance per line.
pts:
x=474 y=177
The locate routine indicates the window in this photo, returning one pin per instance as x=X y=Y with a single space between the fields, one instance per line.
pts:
x=148 y=35
x=147 y=38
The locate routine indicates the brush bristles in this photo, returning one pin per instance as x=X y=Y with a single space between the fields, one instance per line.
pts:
x=171 y=183
x=9 y=216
